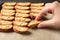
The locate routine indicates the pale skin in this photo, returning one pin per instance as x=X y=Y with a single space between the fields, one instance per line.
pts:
x=55 y=21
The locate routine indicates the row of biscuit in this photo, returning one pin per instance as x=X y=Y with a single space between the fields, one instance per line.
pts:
x=7 y=16
x=19 y=16
x=35 y=9
x=22 y=17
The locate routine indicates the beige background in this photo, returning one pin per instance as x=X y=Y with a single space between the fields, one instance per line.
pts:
x=33 y=34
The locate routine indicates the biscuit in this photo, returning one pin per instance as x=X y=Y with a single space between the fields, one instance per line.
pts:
x=7 y=14
x=21 y=7
x=21 y=15
x=8 y=7
x=7 y=17
x=20 y=29
x=36 y=8
x=8 y=11
x=23 y=11
x=23 y=4
x=33 y=24
x=9 y=3
x=22 y=19
x=23 y=24
x=33 y=15
x=5 y=27
x=3 y=22
x=37 y=4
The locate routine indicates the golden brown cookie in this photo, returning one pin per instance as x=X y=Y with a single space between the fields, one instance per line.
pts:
x=23 y=24
x=33 y=24
x=20 y=29
x=7 y=14
x=23 y=3
x=7 y=17
x=38 y=8
x=21 y=7
x=8 y=11
x=23 y=11
x=37 y=4
x=21 y=15
x=33 y=15
x=3 y=22
x=22 y=19
x=5 y=27
x=8 y=7
x=9 y=4
x=35 y=10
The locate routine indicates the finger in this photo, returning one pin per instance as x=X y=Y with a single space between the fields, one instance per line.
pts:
x=42 y=12
x=45 y=24
x=47 y=4
x=48 y=8
x=55 y=2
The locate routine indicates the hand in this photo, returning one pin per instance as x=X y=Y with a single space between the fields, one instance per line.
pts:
x=55 y=21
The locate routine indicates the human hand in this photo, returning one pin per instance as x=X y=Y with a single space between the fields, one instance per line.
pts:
x=54 y=8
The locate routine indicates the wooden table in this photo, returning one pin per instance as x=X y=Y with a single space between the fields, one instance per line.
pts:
x=33 y=34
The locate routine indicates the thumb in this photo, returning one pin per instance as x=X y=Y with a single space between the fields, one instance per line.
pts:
x=45 y=24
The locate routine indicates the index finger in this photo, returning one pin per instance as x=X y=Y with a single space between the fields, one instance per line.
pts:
x=42 y=12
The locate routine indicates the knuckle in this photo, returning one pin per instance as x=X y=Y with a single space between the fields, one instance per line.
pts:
x=56 y=3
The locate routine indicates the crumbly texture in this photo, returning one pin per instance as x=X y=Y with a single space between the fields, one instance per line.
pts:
x=22 y=15
x=7 y=17
x=20 y=29
x=5 y=27
x=22 y=19
x=33 y=24
x=4 y=22
x=19 y=23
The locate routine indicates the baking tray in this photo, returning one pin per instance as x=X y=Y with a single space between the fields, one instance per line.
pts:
x=1 y=1
x=44 y=1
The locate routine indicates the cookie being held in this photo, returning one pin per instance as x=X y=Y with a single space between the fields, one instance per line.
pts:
x=33 y=24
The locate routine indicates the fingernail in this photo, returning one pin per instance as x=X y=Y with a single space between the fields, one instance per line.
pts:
x=38 y=26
